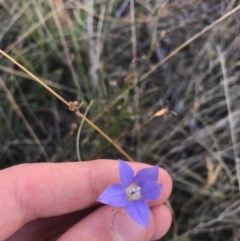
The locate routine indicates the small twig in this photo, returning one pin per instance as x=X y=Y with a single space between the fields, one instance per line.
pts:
x=182 y=46
x=35 y=78
x=161 y=112
x=169 y=56
x=69 y=104
x=49 y=82
x=79 y=114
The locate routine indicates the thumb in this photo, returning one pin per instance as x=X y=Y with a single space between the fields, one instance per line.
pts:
x=126 y=229
x=107 y=223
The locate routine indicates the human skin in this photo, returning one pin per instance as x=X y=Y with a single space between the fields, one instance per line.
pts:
x=57 y=201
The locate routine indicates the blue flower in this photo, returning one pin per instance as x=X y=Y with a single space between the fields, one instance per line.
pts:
x=133 y=192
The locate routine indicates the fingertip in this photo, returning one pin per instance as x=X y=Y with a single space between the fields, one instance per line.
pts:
x=166 y=180
x=162 y=219
x=107 y=223
x=125 y=228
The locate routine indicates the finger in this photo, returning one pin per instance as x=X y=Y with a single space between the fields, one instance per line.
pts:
x=165 y=179
x=47 y=228
x=109 y=224
x=163 y=220
x=31 y=191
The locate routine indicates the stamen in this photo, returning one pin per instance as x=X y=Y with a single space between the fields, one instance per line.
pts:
x=133 y=192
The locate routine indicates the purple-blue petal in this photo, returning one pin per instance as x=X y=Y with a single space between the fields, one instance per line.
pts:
x=146 y=174
x=126 y=174
x=114 y=196
x=150 y=190
x=139 y=212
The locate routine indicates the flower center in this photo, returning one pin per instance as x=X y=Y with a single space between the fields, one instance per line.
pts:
x=133 y=192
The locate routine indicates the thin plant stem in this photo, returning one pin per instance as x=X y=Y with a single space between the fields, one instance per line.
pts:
x=22 y=117
x=169 y=56
x=232 y=121
x=69 y=104
x=80 y=128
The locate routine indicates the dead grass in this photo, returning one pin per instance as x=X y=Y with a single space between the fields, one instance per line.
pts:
x=126 y=56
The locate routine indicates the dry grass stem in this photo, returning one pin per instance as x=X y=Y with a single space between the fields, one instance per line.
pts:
x=22 y=117
x=230 y=114
x=69 y=104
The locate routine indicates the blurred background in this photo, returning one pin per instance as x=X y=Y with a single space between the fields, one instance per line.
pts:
x=112 y=53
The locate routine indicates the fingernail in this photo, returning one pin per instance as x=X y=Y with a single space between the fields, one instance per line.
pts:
x=126 y=229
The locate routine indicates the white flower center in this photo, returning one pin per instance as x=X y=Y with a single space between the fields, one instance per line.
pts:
x=133 y=192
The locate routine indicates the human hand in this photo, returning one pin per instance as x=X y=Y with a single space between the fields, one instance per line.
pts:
x=57 y=201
